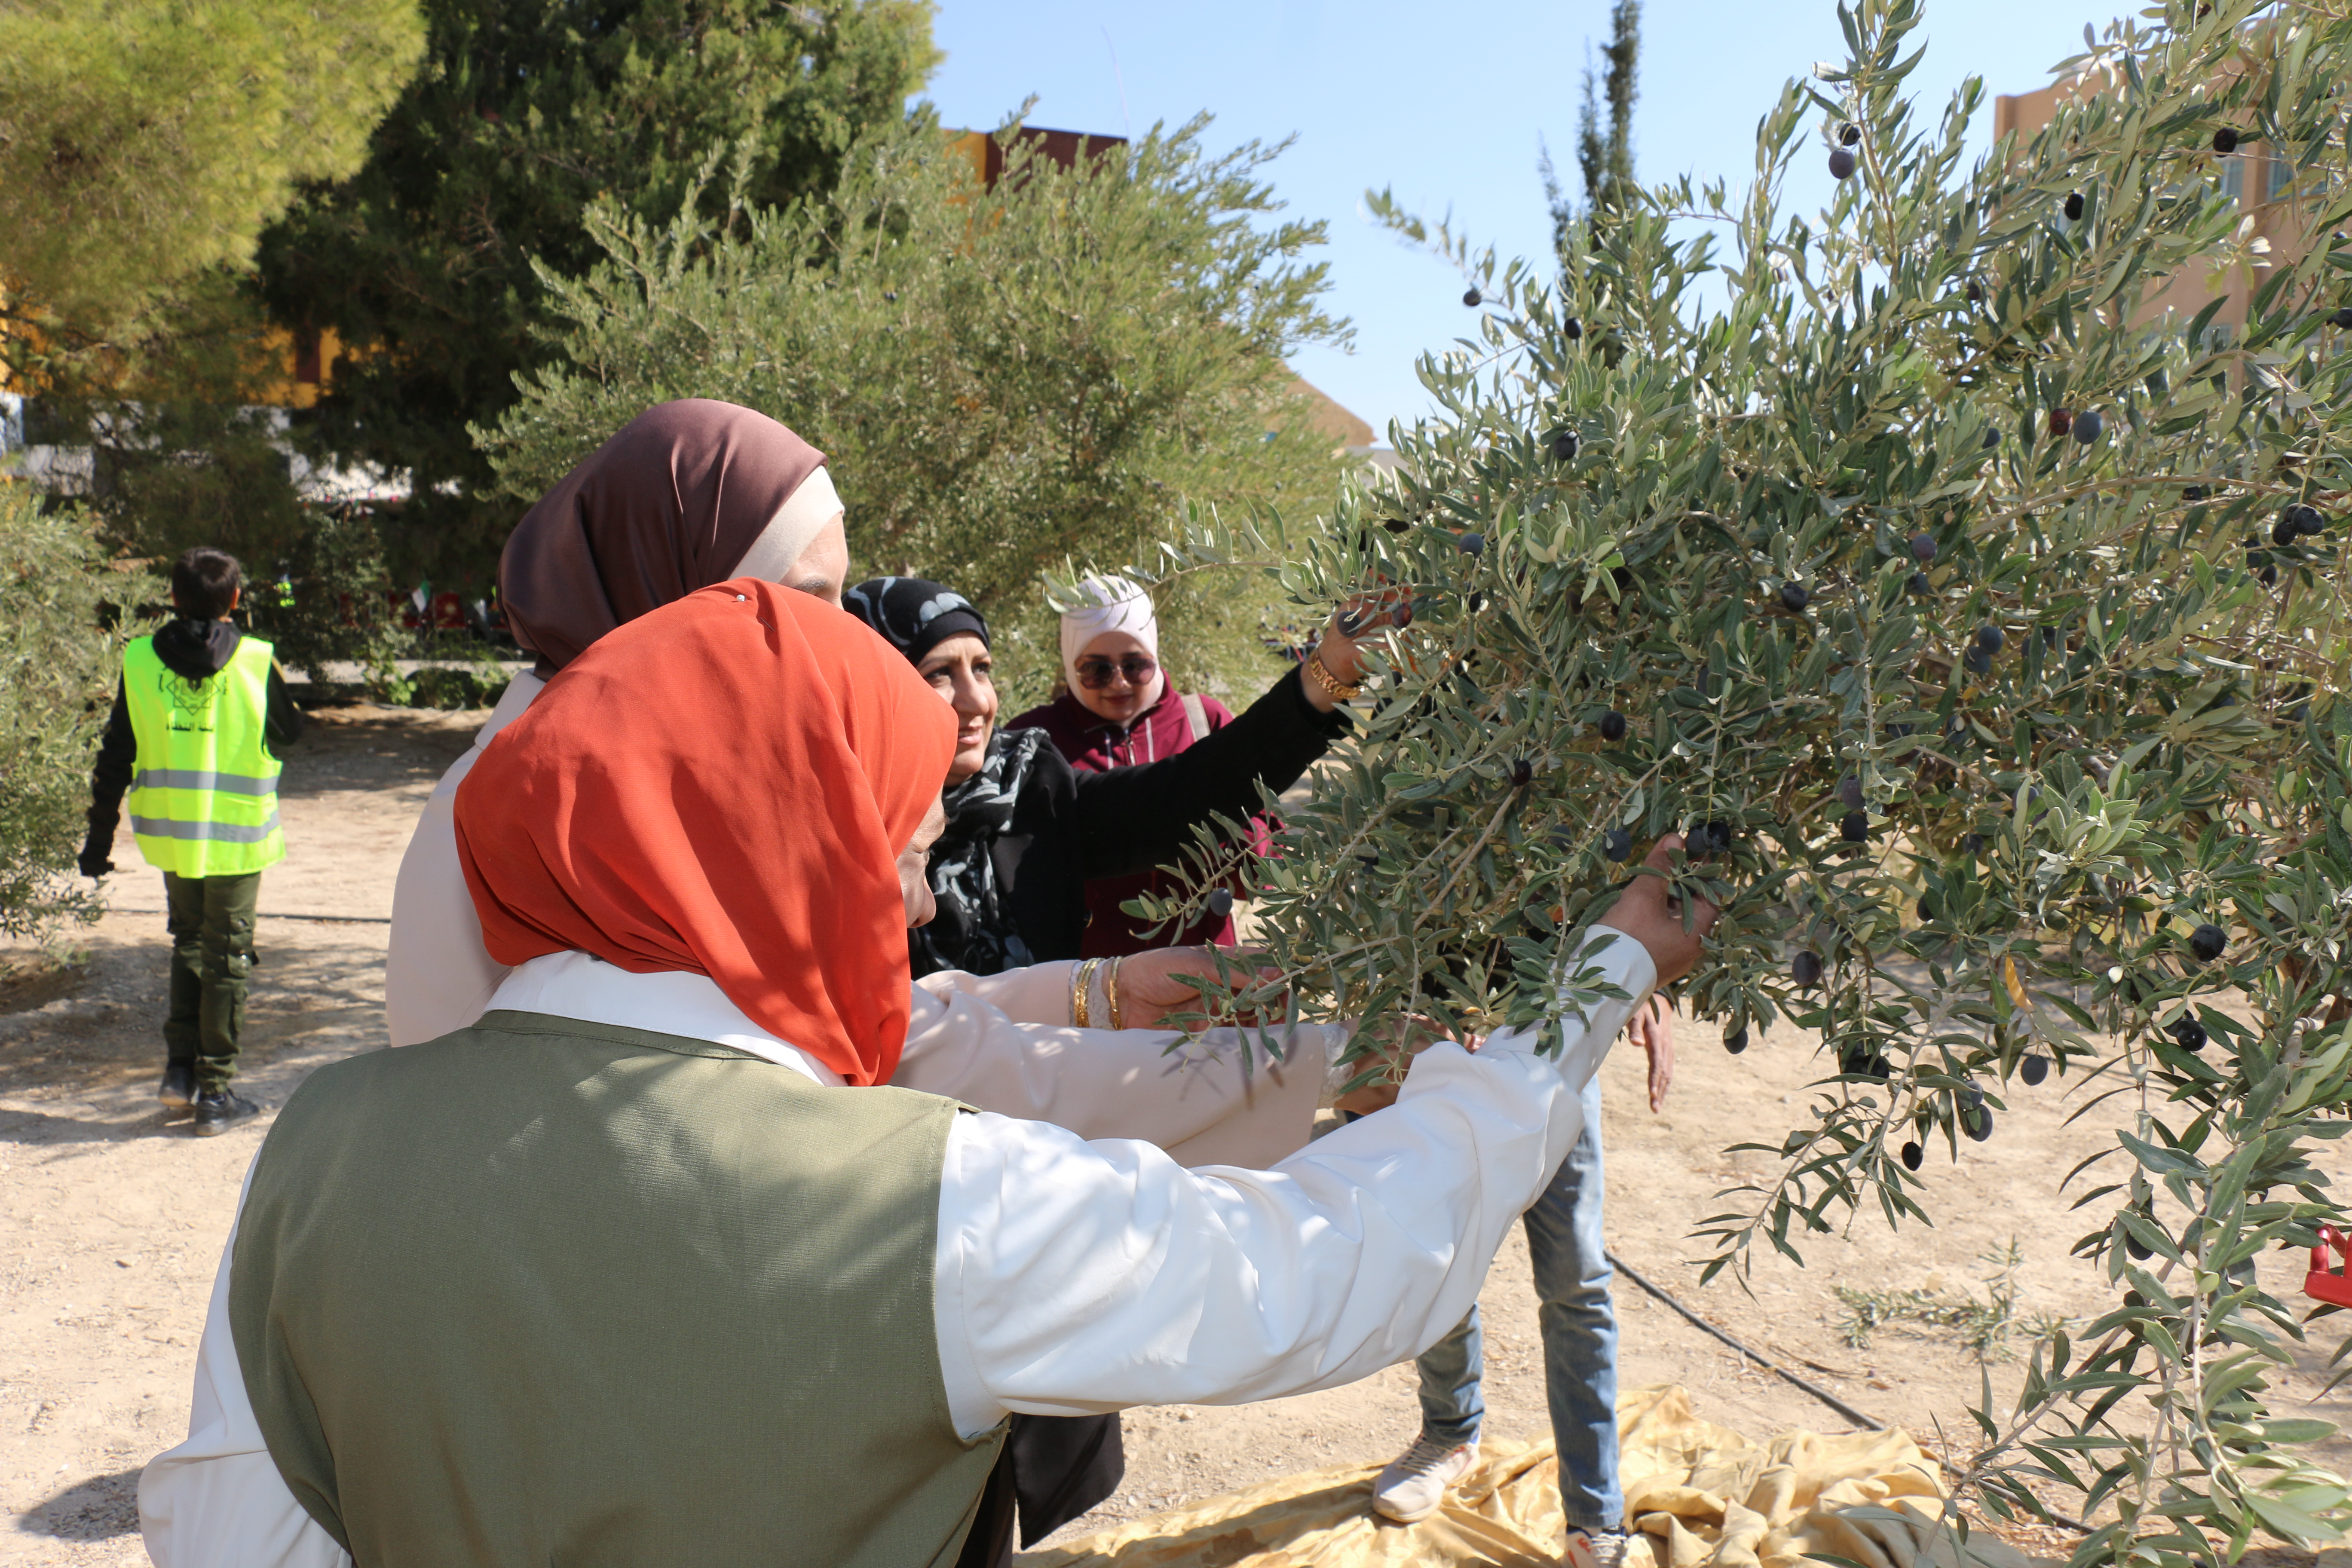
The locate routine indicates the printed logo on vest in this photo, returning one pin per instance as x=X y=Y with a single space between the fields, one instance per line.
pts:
x=192 y=705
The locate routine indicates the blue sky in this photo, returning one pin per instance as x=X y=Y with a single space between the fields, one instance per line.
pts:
x=1445 y=105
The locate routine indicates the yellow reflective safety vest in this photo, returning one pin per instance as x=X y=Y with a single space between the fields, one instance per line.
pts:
x=203 y=798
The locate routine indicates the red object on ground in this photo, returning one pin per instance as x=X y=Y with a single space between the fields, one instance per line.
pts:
x=2325 y=1284
x=448 y=611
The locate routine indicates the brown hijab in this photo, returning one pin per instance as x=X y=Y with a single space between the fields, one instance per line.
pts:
x=668 y=506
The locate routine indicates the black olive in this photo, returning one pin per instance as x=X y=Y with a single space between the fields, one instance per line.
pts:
x=2140 y=1251
x=1572 y=329
x=2087 y=426
x=1523 y=772
x=2299 y=519
x=2207 y=942
x=1613 y=725
x=1992 y=440
x=1976 y=292
x=1850 y=792
x=2225 y=139
x=1471 y=543
x=1564 y=446
x=1401 y=614
x=1849 y=135
x=1616 y=844
x=2061 y=421
x=2074 y=206
x=2342 y=318
x=2033 y=1069
x=1977 y=1123
x=1842 y=163
x=1913 y=1156
x=2189 y=1034
x=1972 y=844
x=1922 y=549
x=1794 y=596
x=1736 y=1041
x=1989 y=638
x=1854 y=827
x=1920 y=584
x=1471 y=298
x=1221 y=902
x=1805 y=968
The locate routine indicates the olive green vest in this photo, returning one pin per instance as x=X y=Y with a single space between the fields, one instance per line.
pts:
x=204 y=800
x=547 y=1292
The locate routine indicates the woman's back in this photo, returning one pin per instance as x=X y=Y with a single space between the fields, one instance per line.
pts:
x=556 y=1291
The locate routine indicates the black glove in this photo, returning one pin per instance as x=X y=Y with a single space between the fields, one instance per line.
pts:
x=93 y=861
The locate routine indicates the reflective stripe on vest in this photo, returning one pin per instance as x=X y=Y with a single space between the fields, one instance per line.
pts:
x=203 y=799
x=196 y=778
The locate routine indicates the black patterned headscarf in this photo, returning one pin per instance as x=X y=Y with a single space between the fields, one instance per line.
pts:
x=973 y=929
x=913 y=615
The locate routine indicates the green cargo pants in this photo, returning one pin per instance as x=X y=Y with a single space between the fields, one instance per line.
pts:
x=211 y=922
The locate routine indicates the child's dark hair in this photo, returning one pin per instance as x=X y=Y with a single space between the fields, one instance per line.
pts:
x=205 y=583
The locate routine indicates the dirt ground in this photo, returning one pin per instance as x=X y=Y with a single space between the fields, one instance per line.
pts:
x=114 y=1218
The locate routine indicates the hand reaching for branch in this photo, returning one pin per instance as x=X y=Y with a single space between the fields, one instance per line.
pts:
x=1152 y=986
x=1647 y=912
x=1399 y=1040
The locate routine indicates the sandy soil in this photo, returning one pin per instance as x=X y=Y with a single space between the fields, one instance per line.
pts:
x=114 y=1216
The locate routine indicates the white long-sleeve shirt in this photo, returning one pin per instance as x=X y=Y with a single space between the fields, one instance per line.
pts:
x=999 y=1042
x=1074 y=1276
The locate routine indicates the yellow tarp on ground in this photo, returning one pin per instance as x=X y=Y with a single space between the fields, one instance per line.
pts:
x=1698 y=1494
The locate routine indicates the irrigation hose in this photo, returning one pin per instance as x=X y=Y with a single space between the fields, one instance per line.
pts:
x=1867 y=1422
x=1831 y=1400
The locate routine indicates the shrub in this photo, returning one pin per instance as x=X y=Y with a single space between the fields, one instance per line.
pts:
x=59 y=662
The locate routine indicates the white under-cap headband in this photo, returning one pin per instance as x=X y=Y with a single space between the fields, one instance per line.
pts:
x=785 y=540
x=1119 y=605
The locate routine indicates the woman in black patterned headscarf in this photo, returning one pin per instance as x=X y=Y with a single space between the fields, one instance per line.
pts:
x=1025 y=831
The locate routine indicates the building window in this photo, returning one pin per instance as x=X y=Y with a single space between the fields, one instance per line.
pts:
x=2233 y=177
x=2277 y=176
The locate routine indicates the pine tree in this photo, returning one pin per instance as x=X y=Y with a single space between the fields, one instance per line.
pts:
x=526 y=112
x=1606 y=162
x=142 y=143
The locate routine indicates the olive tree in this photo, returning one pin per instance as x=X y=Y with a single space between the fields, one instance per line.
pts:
x=1980 y=623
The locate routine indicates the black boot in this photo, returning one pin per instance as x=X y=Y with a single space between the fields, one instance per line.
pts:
x=179 y=1085
x=218 y=1110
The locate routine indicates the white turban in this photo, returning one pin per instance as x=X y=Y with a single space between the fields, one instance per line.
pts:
x=1119 y=605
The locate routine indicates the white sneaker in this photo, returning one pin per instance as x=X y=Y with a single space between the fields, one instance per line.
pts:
x=1415 y=1482
x=1595 y=1549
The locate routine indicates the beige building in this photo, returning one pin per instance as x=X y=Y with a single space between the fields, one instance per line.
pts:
x=2256 y=177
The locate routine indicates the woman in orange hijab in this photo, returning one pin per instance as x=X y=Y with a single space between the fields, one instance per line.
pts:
x=620 y=1274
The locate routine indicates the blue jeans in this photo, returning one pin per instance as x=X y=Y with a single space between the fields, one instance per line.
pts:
x=1580 y=1340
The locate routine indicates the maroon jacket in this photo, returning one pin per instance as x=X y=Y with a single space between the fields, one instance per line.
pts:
x=1093 y=745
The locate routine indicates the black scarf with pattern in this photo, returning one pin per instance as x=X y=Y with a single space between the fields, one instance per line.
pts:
x=973 y=929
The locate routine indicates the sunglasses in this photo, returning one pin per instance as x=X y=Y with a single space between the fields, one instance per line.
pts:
x=1094 y=674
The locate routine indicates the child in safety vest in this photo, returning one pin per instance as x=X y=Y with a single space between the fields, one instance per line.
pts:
x=187 y=749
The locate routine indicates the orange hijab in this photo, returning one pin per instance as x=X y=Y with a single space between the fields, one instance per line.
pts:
x=721 y=786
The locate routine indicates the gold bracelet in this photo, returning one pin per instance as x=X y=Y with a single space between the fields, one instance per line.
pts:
x=1320 y=674
x=1110 y=992
x=1082 y=981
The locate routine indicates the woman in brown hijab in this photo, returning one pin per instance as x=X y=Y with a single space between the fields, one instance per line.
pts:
x=685 y=495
